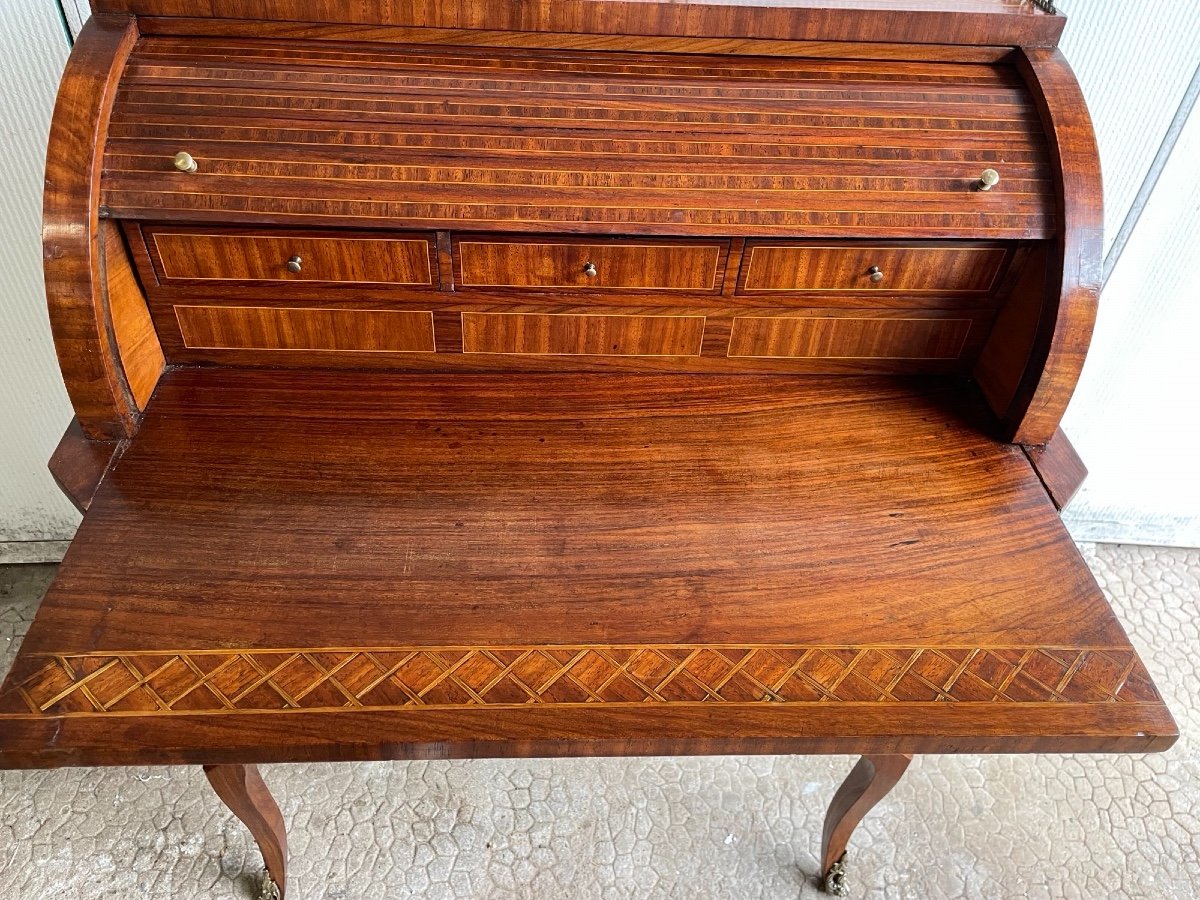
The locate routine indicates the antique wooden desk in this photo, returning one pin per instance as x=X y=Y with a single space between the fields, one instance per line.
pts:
x=577 y=377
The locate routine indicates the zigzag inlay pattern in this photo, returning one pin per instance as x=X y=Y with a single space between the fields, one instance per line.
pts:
x=251 y=681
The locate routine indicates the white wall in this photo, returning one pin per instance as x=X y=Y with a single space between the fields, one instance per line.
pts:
x=1134 y=419
x=1134 y=59
x=33 y=404
x=1134 y=416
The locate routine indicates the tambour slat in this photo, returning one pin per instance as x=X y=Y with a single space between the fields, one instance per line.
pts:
x=615 y=150
x=484 y=172
x=292 y=209
x=378 y=162
x=359 y=134
x=306 y=55
x=801 y=109
x=575 y=117
x=170 y=77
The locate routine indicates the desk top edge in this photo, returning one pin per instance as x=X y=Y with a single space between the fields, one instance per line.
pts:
x=1015 y=23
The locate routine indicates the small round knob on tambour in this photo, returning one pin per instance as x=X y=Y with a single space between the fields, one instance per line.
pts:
x=293 y=264
x=589 y=270
x=184 y=162
x=989 y=179
x=876 y=274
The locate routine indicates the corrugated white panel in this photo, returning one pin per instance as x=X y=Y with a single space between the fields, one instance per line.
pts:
x=76 y=12
x=33 y=404
x=1135 y=418
x=1134 y=59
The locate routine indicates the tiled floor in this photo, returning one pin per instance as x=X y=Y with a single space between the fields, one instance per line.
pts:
x=741 y=828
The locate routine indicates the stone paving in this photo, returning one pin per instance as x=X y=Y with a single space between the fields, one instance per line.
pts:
x=700 y=829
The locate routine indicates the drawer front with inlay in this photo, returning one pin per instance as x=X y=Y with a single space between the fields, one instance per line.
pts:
x=331 y=330
x=582 y=335
x=954 y=269
x=590 y=265
x=863 y=337
x=182 y=256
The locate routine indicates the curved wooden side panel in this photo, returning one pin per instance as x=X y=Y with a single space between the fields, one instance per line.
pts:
x=1068 y=312
x=73 y=255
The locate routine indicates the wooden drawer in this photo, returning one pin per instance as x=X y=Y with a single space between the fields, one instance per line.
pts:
x=858 y=335
x=656 y=265
x=210 y=255
x=327 y=330
x=534 y=334
x=907 y=268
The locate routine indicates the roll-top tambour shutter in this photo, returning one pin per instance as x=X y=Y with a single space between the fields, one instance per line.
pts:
x=352 y=135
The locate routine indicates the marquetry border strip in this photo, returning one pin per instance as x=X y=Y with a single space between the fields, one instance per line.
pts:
x=277 y=680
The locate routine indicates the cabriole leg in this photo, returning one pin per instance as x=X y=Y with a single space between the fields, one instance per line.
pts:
x=244 y=792
x=866 y=785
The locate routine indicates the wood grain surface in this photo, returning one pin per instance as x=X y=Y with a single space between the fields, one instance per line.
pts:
x=1060 y=468
x=220 y=255
x=864 y=531
x=537 y=334
x=587 y=335
x=624 y=265
x=79 y=464
x=1072 y=291
x=988 y=22
x=848 y=337
x=489 y=37
x=435 y=137
x=281 y=328
x=138 y=346
x=913 y=269
x=521 y=302
x=72 y=253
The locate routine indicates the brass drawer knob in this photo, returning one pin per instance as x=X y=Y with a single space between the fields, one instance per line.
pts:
x=185 y=163
x=876 y=274
x=589 y=269
x=293 y=264
x=989 y=179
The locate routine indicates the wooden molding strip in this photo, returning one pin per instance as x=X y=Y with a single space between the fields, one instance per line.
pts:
x=1059 y=467
x=967 y=22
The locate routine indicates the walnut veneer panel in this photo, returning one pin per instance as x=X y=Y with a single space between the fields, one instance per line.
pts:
x=528 y=140
x=911 y=269
x=185 y=255
x=397 y=566
x=847 y=337
x=613 y=265
x=582 y=335
x=267 y=328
